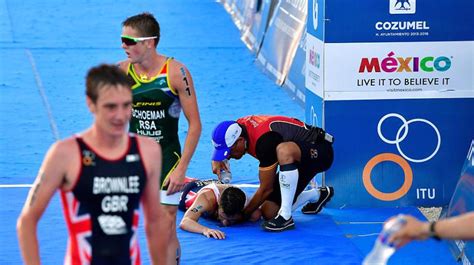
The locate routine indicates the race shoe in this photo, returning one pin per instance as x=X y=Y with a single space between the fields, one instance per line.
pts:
x=278 y=224
x=325 y=195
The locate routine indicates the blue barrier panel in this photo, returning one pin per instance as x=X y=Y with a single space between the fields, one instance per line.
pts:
x=241 y=12
x=314 y=78
x=462 y=202
x=295 y=81
x=399 y=70
x=281 y=39
x=315 y=26
x=399 y=21
x=314 y=116
x=253 y=35
x=396 y=152
x=314 y=111
x=397 y=104
x=284 y=52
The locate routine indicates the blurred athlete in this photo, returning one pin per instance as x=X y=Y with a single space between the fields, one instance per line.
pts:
x=456 y=228
x=103 y=174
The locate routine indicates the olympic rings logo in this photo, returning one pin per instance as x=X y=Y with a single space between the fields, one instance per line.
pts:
x=399 y=160
x=404 y=128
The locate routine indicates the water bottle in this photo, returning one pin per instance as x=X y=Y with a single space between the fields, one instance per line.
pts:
x=226 y=176
x=382 y=250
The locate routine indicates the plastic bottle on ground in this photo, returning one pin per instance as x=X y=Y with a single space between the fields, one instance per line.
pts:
x=383 y=250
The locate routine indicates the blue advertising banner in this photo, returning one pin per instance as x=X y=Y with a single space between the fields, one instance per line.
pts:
x=397 y=152
x=282 y=37
x=316 y=18
x=399 y=70
x=313 y=109
x=398 y=20
x=396 y=90
x=314 y=116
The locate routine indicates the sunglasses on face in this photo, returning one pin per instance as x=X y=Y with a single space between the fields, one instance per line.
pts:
x=130 y=41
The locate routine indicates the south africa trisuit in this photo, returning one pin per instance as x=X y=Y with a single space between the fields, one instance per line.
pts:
x=101 y=210
x=155 y=113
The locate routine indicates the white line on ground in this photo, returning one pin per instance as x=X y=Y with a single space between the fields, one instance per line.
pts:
x=365 y=235
x=16 y=185
x=39 y=83
x=246 y=185
x=364 y=223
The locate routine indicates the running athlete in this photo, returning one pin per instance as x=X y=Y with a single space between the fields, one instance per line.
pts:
x=103 y=174
x=214 y=200
x=162 y=87
x=299 y=150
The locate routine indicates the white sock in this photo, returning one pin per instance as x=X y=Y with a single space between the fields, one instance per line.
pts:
x=314 y=184
x=311 y=195
x=288 y=178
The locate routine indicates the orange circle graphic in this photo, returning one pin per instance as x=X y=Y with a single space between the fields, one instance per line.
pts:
x=391 y=196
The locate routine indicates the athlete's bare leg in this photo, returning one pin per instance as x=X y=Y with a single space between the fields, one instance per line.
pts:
x=174 y=249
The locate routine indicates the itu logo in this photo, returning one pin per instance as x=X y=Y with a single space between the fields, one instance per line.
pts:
x=402 y=7
x=400 y=159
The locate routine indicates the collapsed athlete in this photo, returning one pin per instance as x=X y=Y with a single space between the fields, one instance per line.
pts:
x=214 y=200
x=103 y=174
x=225 y=203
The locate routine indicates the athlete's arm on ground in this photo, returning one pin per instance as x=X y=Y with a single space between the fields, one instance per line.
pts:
x=182 y=82
x=157 y=222
x=267 y=177
x=52 y=176
x=190 y=219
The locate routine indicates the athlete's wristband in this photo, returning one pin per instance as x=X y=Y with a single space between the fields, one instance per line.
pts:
x=432 y=231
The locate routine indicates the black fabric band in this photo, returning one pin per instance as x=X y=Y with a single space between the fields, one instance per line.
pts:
x=288 y=167
x=433 y=232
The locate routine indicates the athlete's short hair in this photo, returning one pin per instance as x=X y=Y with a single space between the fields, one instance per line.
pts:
x=103 y=75
x=232 y=200
x=146 y=25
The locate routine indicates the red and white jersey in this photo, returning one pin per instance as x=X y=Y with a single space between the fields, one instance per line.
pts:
x=189 y=195
x=193 y=188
